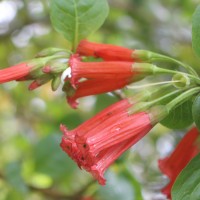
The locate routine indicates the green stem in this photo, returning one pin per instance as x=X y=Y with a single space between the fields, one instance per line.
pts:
x=168 y=71
x=151 y=57
x=145 y=95
x=146 y=105
x=151 y=84
x=182 y=98
x=164 y=97
x=159 y=57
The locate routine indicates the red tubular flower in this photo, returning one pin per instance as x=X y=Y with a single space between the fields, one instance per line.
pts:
x=14 y=73
x=98 y=142
x=107 y=52
x=100 y=70
x=91 y=87
x=180 y=157
x=91 y=78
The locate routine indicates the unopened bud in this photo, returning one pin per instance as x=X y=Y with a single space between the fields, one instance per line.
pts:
x=54 y=67
x=50 y=52
x=38 y=82
x=181 y=80
x=55 y=83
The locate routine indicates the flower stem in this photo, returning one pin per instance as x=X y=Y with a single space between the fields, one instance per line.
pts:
x=182 y=98
x=159 y=57
x=150 y=84
x=146 y=105
x=150 y=56
x=164 y=97
x=168 y=71
x=146 y=94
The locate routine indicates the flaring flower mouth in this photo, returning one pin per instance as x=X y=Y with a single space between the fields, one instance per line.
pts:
x=94 y=146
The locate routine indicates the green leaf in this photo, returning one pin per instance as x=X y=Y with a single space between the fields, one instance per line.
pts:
x=196 y=31
x=51 y=160
x=196 y=111
x=187 y=185
x=77 y=19
x=180 y=117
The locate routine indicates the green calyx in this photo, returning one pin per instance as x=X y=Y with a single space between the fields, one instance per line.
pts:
x=52 y=51
x=150 y=69
x=44 y=69
x=55 y=83
x=157 y=113
x=38 y=64
x=181 y=80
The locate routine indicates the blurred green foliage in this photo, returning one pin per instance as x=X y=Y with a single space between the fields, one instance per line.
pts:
x=32 y=166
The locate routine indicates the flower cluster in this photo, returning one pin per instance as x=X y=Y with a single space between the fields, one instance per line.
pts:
x=120 y=67
x=98 y=142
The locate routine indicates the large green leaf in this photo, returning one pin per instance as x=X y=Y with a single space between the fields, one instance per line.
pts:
x=187 y=185
x=196 y=111
x=180 y=117
x=196 y=31
x=77 y=19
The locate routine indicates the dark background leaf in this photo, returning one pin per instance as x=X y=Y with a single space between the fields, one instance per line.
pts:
x=196 y=111
x=180 y=117
x=196 y=31
x=187 y=184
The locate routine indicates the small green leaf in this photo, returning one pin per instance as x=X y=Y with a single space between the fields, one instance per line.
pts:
x=180 y=117
x=77 y=19
x=196 y=111
x=196 y=31
x=187 y=185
